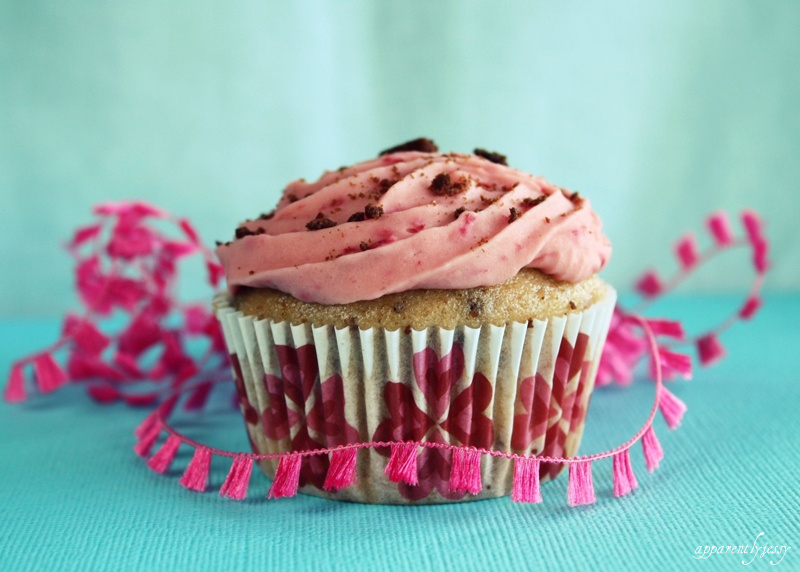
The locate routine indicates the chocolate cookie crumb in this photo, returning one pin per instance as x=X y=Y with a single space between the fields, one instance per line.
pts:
x=572 y=305
x=357 y=217
x=512 y=215
x=531 y=202
x=363 y=246
x=547 y=219
x=292 y=198
x=251 y=272
x=373 y=211
x=442 y=185
x=492 y=156
x=384 y=185
x=421 y=144
x=243 y=231
x=475 y=308
x=398 y=307
x=218 y=242
x=266 y=216
x=458 y=212
x=320 y=222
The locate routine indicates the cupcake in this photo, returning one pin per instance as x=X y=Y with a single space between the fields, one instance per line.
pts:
x=422 y=298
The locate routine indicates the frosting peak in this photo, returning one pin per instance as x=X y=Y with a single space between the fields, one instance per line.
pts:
x=415 y=219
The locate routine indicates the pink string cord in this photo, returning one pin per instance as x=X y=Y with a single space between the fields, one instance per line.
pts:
x=162 y=421
x=125 y=263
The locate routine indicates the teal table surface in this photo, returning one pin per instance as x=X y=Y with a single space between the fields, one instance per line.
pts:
x=74 y=496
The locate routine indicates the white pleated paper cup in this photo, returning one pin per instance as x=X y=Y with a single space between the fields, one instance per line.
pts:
x=518 y=388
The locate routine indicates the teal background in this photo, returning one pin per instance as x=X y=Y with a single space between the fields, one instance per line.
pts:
x=659 y=112
x=74 y=496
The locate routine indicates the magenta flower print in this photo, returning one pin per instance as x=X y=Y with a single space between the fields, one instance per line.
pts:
x=552 y=411
x=462 y=417
x=310 y=411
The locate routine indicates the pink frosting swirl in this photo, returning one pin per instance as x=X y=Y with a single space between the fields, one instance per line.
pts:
x=411 y=220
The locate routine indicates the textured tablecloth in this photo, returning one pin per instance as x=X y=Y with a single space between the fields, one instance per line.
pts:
x=74 y=496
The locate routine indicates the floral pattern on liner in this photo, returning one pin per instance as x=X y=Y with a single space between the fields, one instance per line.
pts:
x=463 y=418
x=516 y=388
x=300 y=407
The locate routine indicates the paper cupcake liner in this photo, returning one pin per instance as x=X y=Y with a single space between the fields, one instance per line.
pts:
x=520 y=388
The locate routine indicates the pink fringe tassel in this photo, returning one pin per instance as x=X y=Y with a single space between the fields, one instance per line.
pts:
x=198 y=397
x=580 y=489
x=15 y=388
x=465 y=471
x=653 y=453
x=402 y=465
x=103 y=393
x=146 y=424
x=671 y=408
x=624 y=478
x=163 y=458
x=755 y=235
x=526 y=481
x=669 y=328
x=342 y=470
x=165 y=409
x=287 y=477
x=238 y=479
x=195 y=477
x=687 y=251
x=710 y=349
x=720 y=227
x=49 y=374
x=750 y=307
x=146 y=441
x=649 y=285
x=672 y=364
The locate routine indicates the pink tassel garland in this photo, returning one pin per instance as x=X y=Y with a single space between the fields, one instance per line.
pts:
x=146 y=424
x=85 y=334
x=526 y=481
x=465 y=471
x=15 y=388
x=687 y=251
x=671 y=408
x=624 y=478
x=103 y=393
x=580 y=489
x=287 y=477
x=752 y=225
x=195 y=477
x=653 y=453
x=750 y=307
x=720 y=227
x=755 y=235
x=342 y=470
x=669 y=328
x=672 y=364
x=146 y=441
x=198 y=397
x=402 y=465
x=49 y=374
x=649 y=285
x=238 y=479
x=163 y=458
x=165 y=410
x=710 y=349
